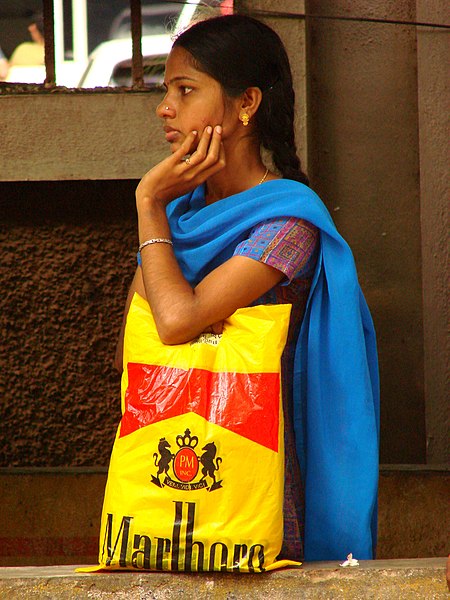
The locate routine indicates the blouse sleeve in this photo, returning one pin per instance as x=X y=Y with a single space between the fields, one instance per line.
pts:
x=287 y=244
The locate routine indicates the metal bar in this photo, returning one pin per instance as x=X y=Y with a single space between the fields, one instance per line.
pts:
x=137 y=68
x=58 y=22
x=80 y=32
x=49 y=38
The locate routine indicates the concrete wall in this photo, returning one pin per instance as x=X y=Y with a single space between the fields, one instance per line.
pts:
x=367 y=162
x=53 y=516
x=75 y=136
x=68 y=255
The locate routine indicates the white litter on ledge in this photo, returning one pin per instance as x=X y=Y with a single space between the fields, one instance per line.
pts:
x=350 y=562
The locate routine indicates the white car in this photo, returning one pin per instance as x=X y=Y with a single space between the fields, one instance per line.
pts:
x=26 y=74
x=155 y=20
x=109 y=64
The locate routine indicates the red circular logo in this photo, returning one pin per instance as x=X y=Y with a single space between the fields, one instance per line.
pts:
x=185 y=464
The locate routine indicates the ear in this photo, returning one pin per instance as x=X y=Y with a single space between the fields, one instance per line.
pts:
x=250 y=101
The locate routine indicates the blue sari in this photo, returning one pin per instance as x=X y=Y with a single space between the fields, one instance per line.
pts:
x=335 y=379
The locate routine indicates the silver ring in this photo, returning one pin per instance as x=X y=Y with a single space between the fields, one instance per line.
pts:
x=187 y=160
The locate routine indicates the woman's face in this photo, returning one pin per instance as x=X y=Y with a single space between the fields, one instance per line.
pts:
x=193 y=100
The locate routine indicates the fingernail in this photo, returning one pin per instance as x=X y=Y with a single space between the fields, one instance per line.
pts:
x=218 y=129
x=209 y=129
x=194 y=132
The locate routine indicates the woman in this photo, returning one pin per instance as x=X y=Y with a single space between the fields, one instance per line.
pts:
x=219 y=231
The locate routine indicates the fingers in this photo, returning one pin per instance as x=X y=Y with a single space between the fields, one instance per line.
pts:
x=202 y=148
x=216 y=328
x=217 y=165
x=206 y=153
x=216 y=141
x=185 y=148
x=197 y=159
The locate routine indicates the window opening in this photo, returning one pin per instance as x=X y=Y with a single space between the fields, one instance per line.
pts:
x=91 y=44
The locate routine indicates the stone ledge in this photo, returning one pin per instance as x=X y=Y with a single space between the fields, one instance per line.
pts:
x=381 y=579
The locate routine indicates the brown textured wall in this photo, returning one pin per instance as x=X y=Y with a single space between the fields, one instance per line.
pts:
x=67 y=256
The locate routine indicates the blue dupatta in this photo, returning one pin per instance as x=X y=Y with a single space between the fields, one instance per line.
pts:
x=336 y=387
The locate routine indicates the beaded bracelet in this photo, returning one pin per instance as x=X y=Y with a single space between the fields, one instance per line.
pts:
x=148 y=243
x=155 y=241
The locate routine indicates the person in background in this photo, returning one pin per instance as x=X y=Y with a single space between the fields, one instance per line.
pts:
x=31 y=53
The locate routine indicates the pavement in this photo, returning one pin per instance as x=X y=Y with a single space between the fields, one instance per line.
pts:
x=399 y=579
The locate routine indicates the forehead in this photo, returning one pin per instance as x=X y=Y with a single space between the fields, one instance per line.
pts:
x=180 y=63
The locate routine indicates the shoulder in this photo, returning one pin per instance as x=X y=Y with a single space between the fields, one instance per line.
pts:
x=283 y=227
x=288 y=197
x=27 y=53
x=289 y=244
x=289 y=185
x=281 y=230
x=290 y=194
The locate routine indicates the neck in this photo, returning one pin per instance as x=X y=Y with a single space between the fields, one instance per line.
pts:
x=243 y=170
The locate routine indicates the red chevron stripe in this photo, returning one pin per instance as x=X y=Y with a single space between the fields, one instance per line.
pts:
x=245 y=403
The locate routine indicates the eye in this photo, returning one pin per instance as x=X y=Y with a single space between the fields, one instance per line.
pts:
x=185 y=89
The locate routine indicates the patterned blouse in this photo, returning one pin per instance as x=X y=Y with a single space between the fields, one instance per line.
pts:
x=290 y=245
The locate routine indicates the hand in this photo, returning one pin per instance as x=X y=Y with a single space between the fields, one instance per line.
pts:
x=175 y=176
x=216 y=328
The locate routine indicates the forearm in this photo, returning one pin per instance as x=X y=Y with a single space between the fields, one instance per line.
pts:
x=118 y=359
x=171 y=298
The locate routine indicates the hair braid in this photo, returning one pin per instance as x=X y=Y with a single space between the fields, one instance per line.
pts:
x=275 y=121
x=276 y=129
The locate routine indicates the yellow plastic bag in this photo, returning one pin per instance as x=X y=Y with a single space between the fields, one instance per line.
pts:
x=196 y=477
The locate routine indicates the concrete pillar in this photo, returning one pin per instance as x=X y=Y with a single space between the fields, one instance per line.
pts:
x=433 y=58
x=363 y=161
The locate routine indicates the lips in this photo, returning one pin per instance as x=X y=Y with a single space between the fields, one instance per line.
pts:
x=171 y=134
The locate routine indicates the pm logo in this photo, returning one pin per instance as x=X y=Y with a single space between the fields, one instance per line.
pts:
x=186 y=470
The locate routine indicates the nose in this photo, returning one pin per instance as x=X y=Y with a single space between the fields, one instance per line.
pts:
x=164 y=110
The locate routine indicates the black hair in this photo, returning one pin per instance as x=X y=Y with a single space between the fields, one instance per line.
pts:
x=38 y=20
x=240 y=52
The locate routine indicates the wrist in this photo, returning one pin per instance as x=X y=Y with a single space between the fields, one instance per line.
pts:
x=152 y=220
x=151 y=207
x=146 y=201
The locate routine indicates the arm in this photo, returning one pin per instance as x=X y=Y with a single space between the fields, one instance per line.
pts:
x=180 y=311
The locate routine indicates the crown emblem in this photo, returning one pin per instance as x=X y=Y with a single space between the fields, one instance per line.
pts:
x=187 y=440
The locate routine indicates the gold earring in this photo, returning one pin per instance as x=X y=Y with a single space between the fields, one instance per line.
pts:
x=245 y=119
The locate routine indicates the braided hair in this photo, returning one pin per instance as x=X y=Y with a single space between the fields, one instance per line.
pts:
x=241 y=52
